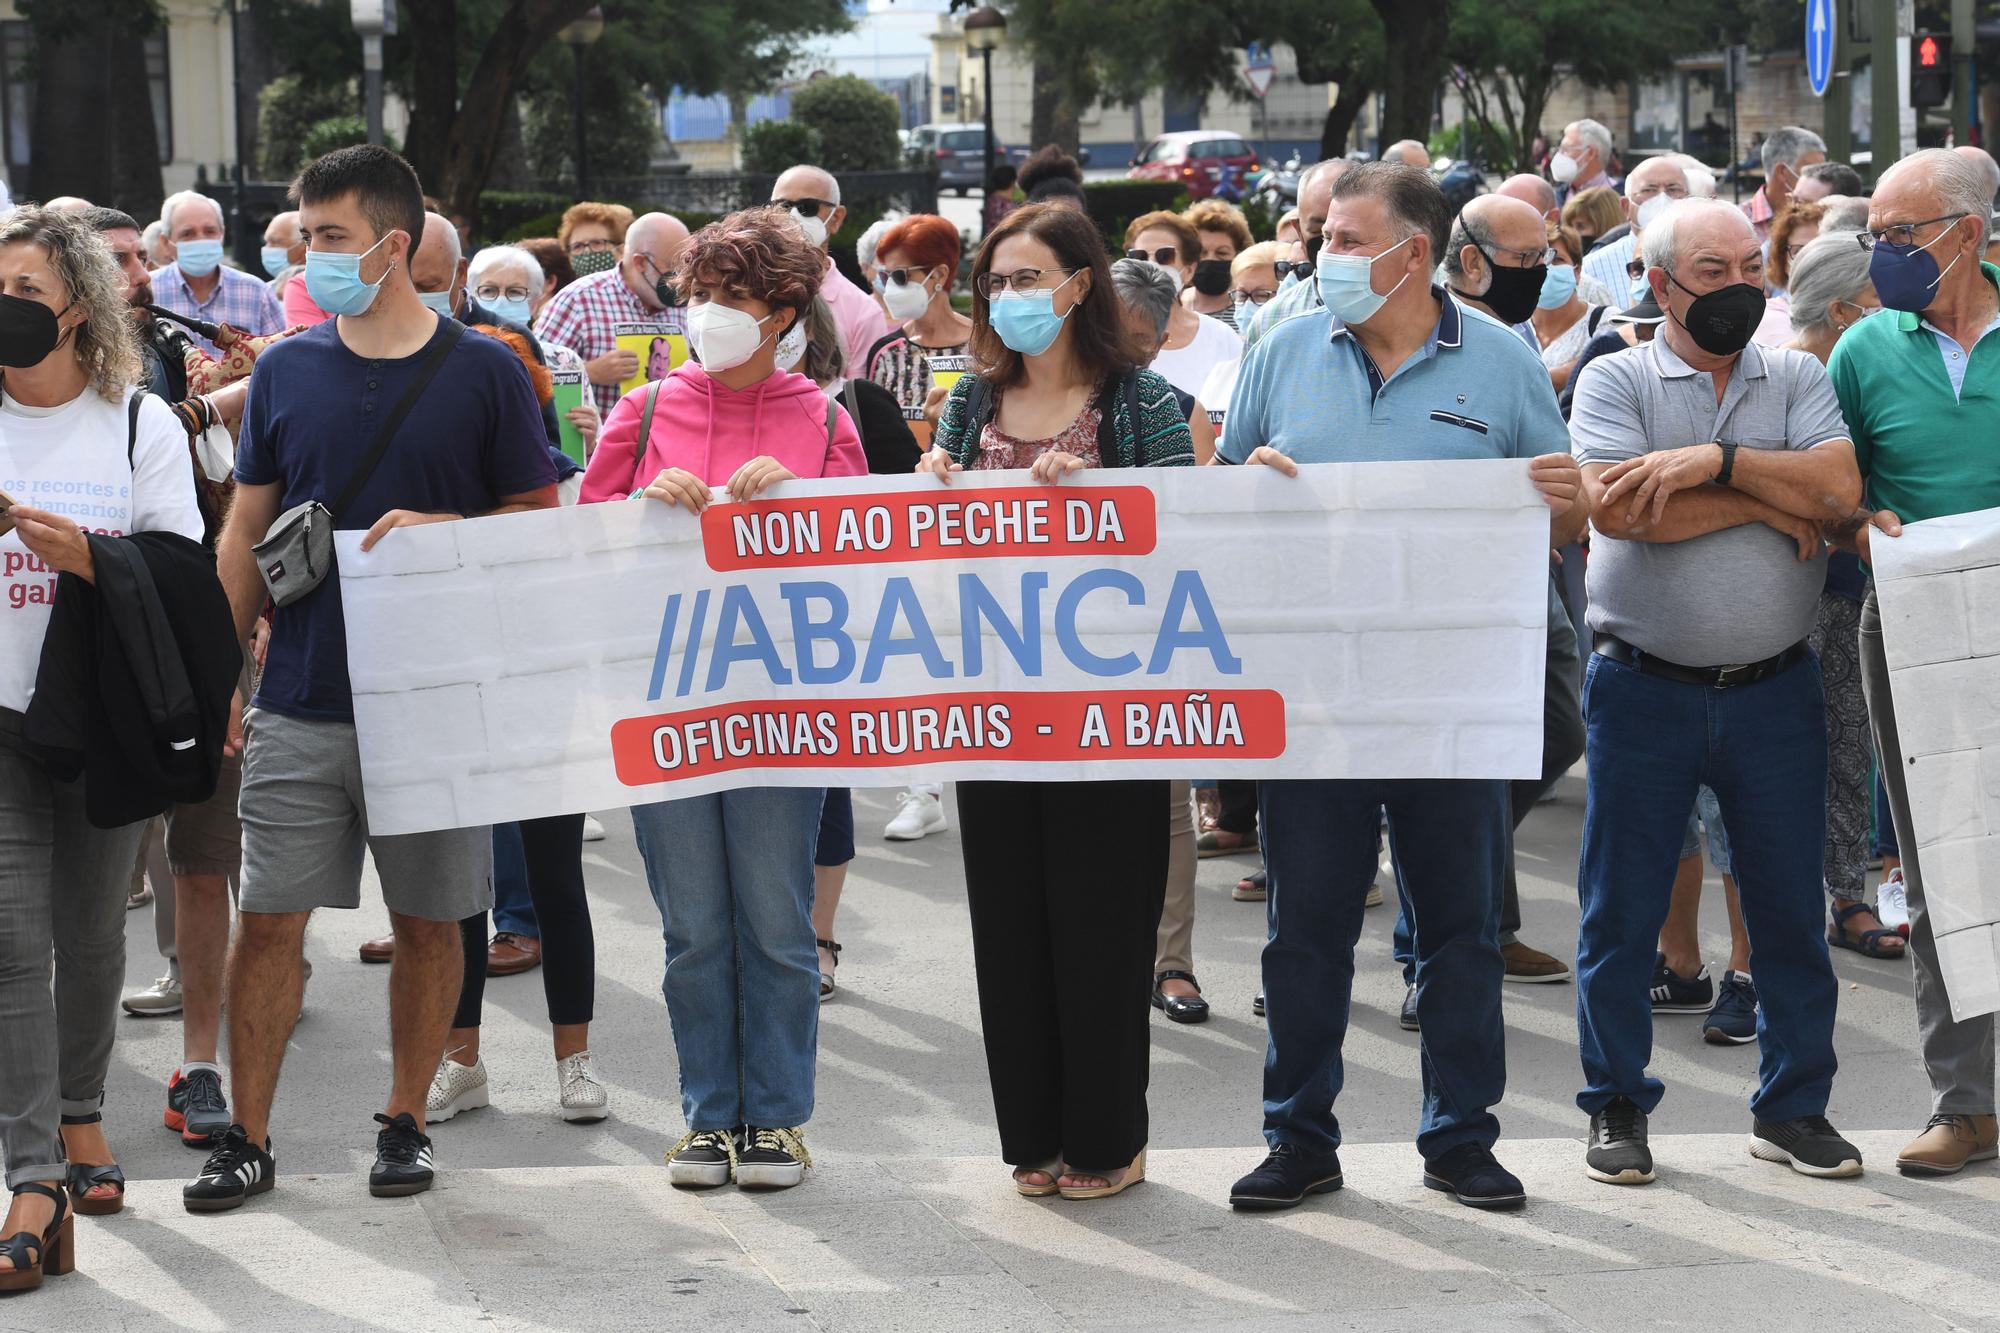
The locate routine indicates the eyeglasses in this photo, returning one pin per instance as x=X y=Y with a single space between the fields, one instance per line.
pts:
x=1903 y=233
x=488 y=293
x=1257 y=297
x=805 y=208
x=591 y=247
x=902 y=277
x=1635 y=268
x=1165 y=256
x=1522 y=258
x=1670 y=190
x=1020 y=280
x=1287 y=267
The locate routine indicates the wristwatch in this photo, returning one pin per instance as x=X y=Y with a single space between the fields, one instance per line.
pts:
x=1728 y=462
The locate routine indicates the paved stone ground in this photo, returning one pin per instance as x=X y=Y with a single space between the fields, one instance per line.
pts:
x=908 y=1221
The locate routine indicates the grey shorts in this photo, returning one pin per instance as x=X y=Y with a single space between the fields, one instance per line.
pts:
x=305 y=825
x=207 y=839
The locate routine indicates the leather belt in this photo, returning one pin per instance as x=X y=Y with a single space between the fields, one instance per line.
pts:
x=1717 y=678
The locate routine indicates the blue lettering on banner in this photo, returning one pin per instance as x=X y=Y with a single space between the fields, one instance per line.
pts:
x=1187 y=623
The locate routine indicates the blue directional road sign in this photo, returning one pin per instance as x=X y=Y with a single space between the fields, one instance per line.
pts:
x=1819 y=44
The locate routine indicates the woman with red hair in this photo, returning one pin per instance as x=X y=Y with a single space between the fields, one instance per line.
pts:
x=916 y=264
x=732 y=871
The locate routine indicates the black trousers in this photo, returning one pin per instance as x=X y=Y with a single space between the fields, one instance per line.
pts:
x=1065 y=882
x=1238 y=797
x=553 y=851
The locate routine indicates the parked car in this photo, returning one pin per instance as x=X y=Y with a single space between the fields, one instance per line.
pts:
x=1205 y=162
x=959 y=152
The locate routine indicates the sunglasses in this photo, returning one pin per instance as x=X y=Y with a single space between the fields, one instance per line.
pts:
x=1166 y=256
x=805 y=208
x=901 y=277
x=1287 y=267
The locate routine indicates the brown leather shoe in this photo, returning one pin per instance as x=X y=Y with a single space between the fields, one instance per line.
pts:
x=1948 y=1143
x=510 y=953
x=1532 y=965
x=379 y=951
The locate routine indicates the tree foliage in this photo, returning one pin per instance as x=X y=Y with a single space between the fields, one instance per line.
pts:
x=1511 y=53
x=287 y=109
x=772 y=146
x=856 y=123
x=93 y=130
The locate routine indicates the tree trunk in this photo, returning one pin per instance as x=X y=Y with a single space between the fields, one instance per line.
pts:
x=1047 y=98
x=112 y=154
x=1340 y=118
x=433 y=34
x=1415 y=34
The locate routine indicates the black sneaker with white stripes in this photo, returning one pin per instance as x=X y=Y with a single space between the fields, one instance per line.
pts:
x=234 y=1171
x=402 y=1158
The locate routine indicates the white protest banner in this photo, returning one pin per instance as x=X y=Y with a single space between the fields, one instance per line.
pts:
x=1939 y=589
x=1365 y=620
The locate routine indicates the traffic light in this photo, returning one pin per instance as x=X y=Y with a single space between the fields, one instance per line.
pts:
x=1930 y=70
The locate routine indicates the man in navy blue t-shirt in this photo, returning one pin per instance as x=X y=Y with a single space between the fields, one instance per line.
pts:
x=472 y=444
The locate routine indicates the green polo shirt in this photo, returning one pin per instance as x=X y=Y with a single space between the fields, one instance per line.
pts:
x=1923 y=450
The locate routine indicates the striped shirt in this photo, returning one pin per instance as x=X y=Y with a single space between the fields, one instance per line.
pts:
x=584 y=317
x=1606 y=266
x=239 y=300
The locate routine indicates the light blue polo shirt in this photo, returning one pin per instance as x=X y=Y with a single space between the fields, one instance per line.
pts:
x=1310 y=390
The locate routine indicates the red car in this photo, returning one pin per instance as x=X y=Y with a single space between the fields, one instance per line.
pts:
x=1198 y=160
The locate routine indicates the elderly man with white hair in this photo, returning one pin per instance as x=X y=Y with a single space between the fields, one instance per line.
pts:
x=1316 y=184
x=585 y=315
x=1924 y=440
x=198 y=283
x=1709 y=464
x=812 y=195
x=1786 y=152
x=1535 y=192
x=1409 y=152
x=1582 y=160
x=1652 y=187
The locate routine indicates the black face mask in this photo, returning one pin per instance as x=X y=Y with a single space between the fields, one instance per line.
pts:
x=1722 y=322
x=1512 y=294
x=1211 y=277
x=28 y=332
x=1312 y=253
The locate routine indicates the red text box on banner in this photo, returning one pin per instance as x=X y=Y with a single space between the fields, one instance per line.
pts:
x=865 y=529
x=1008 y=727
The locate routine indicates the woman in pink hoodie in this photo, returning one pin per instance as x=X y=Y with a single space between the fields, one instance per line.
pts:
x=732 y=872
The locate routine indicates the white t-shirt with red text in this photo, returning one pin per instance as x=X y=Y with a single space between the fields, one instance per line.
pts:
x=70 y=460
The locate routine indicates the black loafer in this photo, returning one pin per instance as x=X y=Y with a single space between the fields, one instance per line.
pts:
x=1470 y=1174
x=1180 y=1008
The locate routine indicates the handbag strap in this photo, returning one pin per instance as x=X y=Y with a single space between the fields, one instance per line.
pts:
x=448 y=337
x=645 y=434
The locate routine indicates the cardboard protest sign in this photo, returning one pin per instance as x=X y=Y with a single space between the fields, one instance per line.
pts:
x=660 y=346
x=568 y=397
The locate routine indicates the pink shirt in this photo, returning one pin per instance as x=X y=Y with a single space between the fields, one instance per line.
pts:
x=861 y=322
x=299 y=307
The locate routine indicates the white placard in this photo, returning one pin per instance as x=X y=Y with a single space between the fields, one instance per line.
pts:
x=1364 y=620
x=1938 y=586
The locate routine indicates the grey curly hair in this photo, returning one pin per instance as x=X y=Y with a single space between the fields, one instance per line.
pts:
x=105 y=343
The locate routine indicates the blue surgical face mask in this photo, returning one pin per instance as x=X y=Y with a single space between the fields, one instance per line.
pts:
x=1558 y=285
x=1027 y=321
x=514 y=312
x=1905 y=276
x=1290 y=279
x=198 y=259
x=1347 y=284
x=1245 y=312
x=440 y=302
x=333 y=280
x=276 y=259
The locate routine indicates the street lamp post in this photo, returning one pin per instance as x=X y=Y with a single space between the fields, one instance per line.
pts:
x=985 y=29
x=579 y=34
x=374 y=20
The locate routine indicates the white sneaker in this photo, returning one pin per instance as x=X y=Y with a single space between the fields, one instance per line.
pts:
x=583 y=1097
x=592 y=830
x=158 y=1000
x=1892 y=903
x=916 y=815
x=454 y=1088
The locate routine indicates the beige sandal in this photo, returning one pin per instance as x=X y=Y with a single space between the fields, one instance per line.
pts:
x=1133 y=1175
x=1053 y=1169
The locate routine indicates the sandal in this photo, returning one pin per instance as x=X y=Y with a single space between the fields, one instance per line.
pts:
x=826 y=986
x=1027 y=1189
x=82 y=1177
x=53 y=1252
x=1221 y=842
x=1133 y=1175
x=1870 y=943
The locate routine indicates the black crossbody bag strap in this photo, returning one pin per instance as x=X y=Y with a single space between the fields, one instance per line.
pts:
x=440 y=351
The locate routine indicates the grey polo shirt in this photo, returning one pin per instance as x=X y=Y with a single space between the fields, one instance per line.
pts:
x=1728 y=597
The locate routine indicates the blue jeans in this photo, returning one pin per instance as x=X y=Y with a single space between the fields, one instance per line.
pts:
x=1449 y=840
x=732 y=874
x=1762 y=749
x=513 y=909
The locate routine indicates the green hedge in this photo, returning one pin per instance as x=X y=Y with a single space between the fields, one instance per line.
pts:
x=1113 y=204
